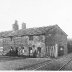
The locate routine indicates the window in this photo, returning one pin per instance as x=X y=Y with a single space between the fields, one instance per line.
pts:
x=30 y=37
x=11 y=38
x=39 y=49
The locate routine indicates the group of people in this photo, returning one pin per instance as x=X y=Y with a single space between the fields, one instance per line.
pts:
x=13 y=52
x=21 y=51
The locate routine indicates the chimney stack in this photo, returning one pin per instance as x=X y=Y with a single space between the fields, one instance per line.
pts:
x=23 y=25
x=15 y=26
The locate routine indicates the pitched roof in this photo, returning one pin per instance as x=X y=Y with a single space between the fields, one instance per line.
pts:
x=4 y=34
x=31 y=31
x=28 y=31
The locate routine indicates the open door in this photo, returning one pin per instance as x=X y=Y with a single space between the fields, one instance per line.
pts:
x=30 y=52
x=39 y=52
x=61 y=51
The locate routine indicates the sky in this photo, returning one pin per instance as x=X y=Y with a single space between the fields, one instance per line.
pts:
x=36 y=13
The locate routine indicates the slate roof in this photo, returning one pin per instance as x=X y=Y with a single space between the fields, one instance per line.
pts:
x=28 y=31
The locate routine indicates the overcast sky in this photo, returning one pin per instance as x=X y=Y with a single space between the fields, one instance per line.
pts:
x=36 y=13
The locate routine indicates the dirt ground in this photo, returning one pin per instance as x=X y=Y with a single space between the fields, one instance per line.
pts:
x=13 y=63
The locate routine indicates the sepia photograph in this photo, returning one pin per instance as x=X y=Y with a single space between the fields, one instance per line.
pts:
x=35 y=35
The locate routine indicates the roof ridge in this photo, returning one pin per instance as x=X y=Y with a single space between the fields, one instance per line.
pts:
x=40 y=27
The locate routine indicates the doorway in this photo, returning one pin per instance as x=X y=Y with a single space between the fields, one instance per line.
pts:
x=39 y=52
x=61 y=51
x=30 y=51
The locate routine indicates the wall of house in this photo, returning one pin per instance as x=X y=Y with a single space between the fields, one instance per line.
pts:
x=50 y=44
x=53 y=38
x=1 y=46
x=38 y=41
x=20 y=42
x=6 y=45
x=62 y=41
x=1 y=42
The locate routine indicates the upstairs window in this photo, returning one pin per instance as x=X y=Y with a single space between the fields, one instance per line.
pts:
x=11 y=38
x=30 y=37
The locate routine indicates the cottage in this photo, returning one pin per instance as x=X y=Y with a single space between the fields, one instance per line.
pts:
x=50 y=41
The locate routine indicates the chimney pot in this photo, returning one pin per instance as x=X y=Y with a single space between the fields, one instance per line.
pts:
x=23 y=25
x=15 y=26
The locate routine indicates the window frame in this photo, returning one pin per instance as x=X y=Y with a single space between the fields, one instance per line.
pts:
x=30 y=37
